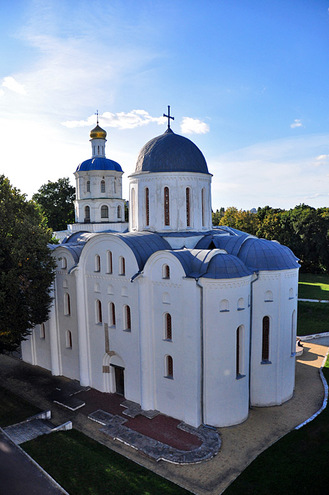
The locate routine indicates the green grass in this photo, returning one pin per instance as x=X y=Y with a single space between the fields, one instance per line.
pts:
x=298 y=463
x=84 y=467
x=313 y=286
x=13 y=409
x=312 y=318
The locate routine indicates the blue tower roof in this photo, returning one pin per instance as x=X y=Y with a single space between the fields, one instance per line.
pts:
x=171 y=153
x=98 y=163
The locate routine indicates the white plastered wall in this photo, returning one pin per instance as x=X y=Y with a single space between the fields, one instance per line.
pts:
x=226 y=395
x=177 y=183
x=272 y=382
x=179 y=396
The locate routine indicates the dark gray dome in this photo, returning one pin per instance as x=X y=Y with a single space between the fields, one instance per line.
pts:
x=171 y=153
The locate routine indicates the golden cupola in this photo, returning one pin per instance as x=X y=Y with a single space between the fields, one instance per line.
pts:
x=98 y=133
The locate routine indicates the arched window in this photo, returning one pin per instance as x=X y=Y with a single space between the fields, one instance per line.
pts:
x=119 y=211
x=133 y=209
x=169 y=367
x=293 y=333
x=87 y=214
x=122 y=266
x=166 y=206
x=239 y=351
x=112 y=314
x=266 y=339
x=97 y=263
x=115 y=186
x=188 y=207
x=240 y=304
x=147 y=206
x=98 y=150
x=203 y=206
x=67 y=304
x=42 y=331
x=104 y=211
x=102 y=186
x=291 y=293
x=168 y=327
x=165 y=271
x=127 y=318
x=88 y=185
x=224 y=306
x=99 y=316
x=64 y=263
x=68 y=339
x=109 y=262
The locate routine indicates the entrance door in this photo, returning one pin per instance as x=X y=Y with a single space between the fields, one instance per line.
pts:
x=119 y=379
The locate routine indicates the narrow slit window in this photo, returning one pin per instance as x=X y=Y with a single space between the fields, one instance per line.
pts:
x=67 y=304
x=102 y=186
x=239 y=351
x=68 y=339
x=165 y=271
x=169 y=367
x=104 y=211
x=42 y=331
x=127 y=318
x=112 y=314
x=88 y=185
x=188 y=207
x=109 y=262
x=97 y=263
x=203 y=213
x=168 y=327
x=122 y=266
x=266 y=339
x=87 y=214
x=99 y=316
x=166 y=207
x=147 y=206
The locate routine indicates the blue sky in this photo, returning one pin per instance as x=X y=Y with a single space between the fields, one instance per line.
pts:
x=247 y=81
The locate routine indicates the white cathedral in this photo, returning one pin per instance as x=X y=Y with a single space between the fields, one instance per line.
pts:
x=196 y=322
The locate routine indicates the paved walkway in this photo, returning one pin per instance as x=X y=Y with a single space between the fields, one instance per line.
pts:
x=240 y=444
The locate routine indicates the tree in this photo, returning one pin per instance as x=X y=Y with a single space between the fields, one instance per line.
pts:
x=56 y=200
x=26 y=266
x=240 y=220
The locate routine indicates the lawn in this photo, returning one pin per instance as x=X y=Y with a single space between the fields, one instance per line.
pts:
x=13 y=409
x=84 y=467
x=312 y=318
x=298 y=463
x=313 y=286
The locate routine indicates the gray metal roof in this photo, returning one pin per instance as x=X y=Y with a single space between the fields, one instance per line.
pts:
x=261 y=254
x=143 y=245
x=171 y=153
x=223 y=266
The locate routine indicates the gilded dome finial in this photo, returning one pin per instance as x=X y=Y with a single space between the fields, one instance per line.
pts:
x=98 y=132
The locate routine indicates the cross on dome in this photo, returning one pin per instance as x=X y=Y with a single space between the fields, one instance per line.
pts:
x=169 y=116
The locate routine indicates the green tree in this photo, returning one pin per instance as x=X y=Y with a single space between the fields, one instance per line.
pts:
x=240 y=220
x=26 y=266
x=56 y=200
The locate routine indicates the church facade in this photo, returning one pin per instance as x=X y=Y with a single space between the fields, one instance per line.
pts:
x=196 y=322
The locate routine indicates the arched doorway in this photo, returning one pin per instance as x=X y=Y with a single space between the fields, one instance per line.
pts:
x=114 y=376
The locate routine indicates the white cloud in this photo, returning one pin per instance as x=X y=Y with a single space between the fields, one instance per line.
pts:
x=120 y=120
x=296 y=123
x=322 y=157
x=193 y=126
x=10 y=83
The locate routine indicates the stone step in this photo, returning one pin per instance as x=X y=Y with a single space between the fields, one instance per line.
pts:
x=28 y=430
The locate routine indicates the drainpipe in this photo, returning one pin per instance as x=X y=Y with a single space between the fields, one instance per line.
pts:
x=250 y=327
x=201 y=352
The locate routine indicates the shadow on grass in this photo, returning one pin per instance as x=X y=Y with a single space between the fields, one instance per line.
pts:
x=85 y=467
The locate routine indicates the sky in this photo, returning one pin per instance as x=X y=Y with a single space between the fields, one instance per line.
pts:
x=247 y=82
